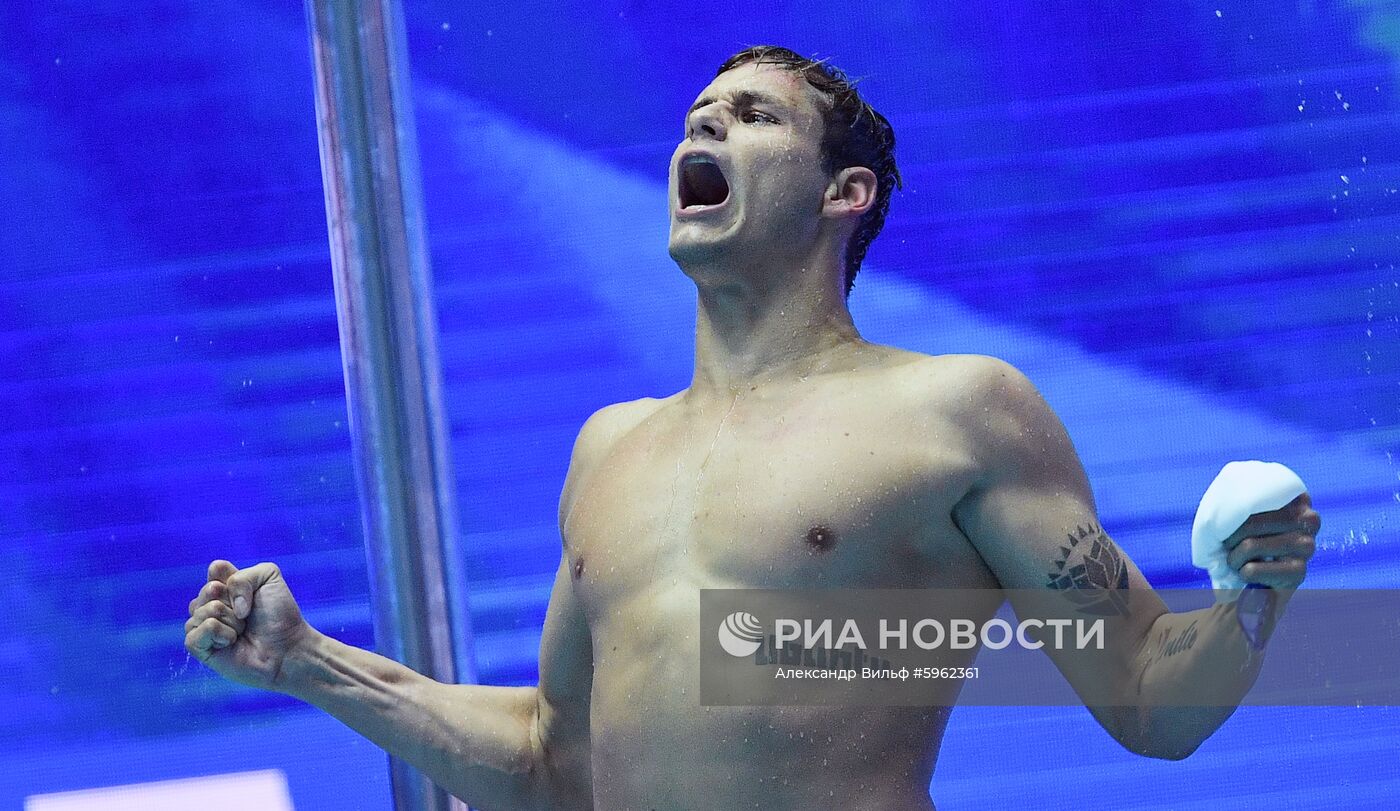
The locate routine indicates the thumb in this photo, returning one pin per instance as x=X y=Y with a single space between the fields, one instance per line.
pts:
x=245 y=583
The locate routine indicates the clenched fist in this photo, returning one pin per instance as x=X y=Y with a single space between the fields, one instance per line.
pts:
x=244 y=624
x=1273 y=548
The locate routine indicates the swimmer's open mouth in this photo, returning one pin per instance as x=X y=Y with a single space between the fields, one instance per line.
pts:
x=701 y=182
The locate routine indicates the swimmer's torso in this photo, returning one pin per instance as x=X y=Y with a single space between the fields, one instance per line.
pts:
x=844 y=480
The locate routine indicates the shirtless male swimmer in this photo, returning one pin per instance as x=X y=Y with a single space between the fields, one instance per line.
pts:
x=799 y=456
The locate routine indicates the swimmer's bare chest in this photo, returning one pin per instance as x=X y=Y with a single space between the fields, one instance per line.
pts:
x=836 y=482
x=828 y=483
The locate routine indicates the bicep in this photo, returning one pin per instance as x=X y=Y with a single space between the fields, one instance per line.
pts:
x=1033 y=519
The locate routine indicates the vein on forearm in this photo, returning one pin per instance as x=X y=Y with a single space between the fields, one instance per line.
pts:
x=473 y=740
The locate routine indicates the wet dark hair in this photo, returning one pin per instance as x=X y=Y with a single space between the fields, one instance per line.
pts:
x=854 y=134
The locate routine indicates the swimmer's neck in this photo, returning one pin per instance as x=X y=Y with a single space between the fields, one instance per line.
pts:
x=751 y=334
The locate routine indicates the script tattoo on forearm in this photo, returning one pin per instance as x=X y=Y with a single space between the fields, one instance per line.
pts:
x=1169 y=643
x=1092 y=573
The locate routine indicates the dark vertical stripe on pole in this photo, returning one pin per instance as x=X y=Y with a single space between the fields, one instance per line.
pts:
x=388 y=339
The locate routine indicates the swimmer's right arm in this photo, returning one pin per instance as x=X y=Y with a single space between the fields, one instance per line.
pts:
x=494 y=747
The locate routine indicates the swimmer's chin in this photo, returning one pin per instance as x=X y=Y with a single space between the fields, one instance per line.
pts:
x=699 y=251
x=702 y=263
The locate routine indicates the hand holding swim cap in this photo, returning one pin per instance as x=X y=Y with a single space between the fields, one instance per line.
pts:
x=1255 y=524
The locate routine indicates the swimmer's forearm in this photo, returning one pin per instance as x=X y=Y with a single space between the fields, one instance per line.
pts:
x=1193 y=670
x=475 y=741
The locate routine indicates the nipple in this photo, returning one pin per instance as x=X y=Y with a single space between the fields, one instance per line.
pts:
x=821 y=539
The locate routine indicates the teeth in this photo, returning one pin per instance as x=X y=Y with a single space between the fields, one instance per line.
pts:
x=691 y=159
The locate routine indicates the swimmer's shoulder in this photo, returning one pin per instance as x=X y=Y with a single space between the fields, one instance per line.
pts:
x=599 y=434
x=979 y=374
x=877 y=356
x=610 y=423
x=967 y=389
x=990 y=402
x=955 y=378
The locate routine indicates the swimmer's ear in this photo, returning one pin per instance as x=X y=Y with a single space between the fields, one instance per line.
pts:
x=850 y=194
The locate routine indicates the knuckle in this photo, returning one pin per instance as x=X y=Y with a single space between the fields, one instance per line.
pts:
x=218 y=611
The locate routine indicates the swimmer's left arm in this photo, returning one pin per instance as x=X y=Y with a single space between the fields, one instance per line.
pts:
x=1164 y=682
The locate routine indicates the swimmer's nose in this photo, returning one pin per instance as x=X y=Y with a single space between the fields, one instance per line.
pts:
x=707 y=124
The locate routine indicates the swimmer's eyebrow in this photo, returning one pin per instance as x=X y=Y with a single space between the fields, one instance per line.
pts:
x=742 y=99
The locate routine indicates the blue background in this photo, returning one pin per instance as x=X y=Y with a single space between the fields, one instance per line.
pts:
x=1179 y=218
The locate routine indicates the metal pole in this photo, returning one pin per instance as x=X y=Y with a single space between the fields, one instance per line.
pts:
x=388 y=341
